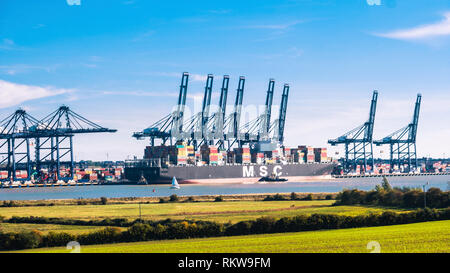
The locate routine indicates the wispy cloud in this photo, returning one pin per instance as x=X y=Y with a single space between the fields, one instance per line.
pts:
x=193 y=96
x=23 y=68
x=140 y=93
x=7 y=44
x=282 y=26
x=143 y=36
x=192 y=76
x=291 y=53
x=14 y=93
x=220 y=11
x=39 y=26
x=429 y=31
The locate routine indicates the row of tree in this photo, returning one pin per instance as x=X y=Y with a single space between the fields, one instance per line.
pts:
x=406 y=198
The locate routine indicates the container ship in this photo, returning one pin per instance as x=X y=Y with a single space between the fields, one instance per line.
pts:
x=162 y=163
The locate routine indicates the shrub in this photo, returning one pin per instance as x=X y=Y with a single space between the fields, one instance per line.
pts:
x=173 y=198
x=57 y=239
x=103 y=200
x=218 y=199
x=190 y=199
x=405 y=197
x=106 y=235
x=294 y=196
x=308 y=197
x=328 y=197
x=80 y=201
x=10 y=203
x=385 y=184
x=276 y=197
x=162 y=200
x=21 y=240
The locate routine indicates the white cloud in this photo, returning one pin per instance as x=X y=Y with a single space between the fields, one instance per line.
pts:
x=24 y=68
x=140 y=93
x=275 y=26
x=192 y=76
x=7 y=44
x=435 y=30
x=14 y=94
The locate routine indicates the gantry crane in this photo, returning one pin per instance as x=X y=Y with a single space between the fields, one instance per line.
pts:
x=402 y=143
x=232 y=124
x=278 y=124
x=358 y=142
x=218 y=118
x=258 y=129
x=15 y=140
x=197 y=127
x=54 y=139
x=171 y=126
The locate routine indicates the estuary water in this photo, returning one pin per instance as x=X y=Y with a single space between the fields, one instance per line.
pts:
x=110 y=191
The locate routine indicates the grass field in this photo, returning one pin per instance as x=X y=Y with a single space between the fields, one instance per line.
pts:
x=213 y=211
x=419 y=237
x=45 y=228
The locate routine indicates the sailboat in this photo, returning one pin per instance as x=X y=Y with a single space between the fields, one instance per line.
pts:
x=174 y=184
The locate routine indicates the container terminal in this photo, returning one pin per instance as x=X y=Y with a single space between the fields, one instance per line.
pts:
x=204 y=148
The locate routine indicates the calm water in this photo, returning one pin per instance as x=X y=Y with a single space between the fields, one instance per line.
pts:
x=439 y=181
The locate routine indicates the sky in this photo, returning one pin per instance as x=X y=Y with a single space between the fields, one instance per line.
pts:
x=119 y=64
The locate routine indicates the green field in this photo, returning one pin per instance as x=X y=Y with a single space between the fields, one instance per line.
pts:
x=45 y=228
x=212 y=211
x=419 y=237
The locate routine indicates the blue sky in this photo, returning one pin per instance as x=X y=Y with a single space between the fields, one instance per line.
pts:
x=119 y=63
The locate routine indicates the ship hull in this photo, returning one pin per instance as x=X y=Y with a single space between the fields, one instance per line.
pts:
x=231 y=173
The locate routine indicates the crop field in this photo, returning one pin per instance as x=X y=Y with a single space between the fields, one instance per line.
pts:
x=418 y=237
x=45 y=228
x=231 y=211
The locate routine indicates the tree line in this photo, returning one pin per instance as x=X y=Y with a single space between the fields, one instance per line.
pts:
x=385 y=195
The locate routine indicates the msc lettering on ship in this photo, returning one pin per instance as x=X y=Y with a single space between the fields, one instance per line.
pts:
x=249 y=171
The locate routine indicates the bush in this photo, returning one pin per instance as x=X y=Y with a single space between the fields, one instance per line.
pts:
x=218 y=199
x=162 y=200
x=386 y=196
x=190 y=199
x=104 y=236
x=173 y=198
x=276 y=197
x=328 y=197
x=9 y=203
x=57 y=239
x=80 y=201
x=294 y=196
x=308 y=197
x=103 y=200
x=21 y=240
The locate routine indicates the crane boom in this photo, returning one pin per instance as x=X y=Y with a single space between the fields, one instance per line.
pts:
x=236 y=116
x=219 y=117
x=283 y=110
x=177 y=123
x=265 y=117
x=415 y=121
